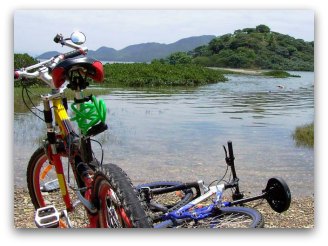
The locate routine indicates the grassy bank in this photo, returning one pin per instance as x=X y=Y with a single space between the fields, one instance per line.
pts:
x=304 y=135
x=160 y=75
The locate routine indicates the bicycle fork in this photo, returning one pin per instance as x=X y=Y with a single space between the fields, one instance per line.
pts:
x=49 y=216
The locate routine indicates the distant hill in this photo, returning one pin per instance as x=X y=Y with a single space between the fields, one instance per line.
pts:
x=48 y=55
x=256 y=48
x=144 y=52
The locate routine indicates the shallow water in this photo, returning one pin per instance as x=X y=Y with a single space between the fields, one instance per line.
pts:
x=177 y=134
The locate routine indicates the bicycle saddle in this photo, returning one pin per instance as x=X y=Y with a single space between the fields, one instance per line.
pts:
x=88 y=66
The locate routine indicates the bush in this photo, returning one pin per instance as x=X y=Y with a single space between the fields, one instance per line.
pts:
x=157 y=74
x=279 y=74
x=304 y=135
x=24 y=60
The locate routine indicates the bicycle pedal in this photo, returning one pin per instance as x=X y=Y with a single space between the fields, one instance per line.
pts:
x=47 y=217
x=50 y=186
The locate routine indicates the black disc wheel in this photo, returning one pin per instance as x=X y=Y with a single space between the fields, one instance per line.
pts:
x=278 y=194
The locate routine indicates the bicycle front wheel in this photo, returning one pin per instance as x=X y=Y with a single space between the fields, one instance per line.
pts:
x=230 y=217
x=117 y=201
x=44 y=188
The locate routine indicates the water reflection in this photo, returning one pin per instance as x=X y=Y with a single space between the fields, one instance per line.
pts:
x=177 y=133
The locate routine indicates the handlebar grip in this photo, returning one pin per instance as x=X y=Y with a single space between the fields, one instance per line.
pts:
x=230 y=150
x=74 y=53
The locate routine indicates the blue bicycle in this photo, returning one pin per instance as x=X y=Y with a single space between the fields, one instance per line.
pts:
x=198 y=206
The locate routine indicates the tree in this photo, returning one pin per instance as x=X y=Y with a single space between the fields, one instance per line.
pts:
x=179 y=58
x=262 y=29
x=216 y=45
x=203 y=61
x=200 y=51
x=248 y=30
x=23 y=60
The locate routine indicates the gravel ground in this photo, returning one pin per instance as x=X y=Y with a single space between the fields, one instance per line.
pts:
x=299 y=215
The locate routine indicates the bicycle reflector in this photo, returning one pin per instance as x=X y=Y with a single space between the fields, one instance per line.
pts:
x=89 y=114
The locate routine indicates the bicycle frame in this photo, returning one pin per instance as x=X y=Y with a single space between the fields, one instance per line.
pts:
x=198 y=212
x=64 y=133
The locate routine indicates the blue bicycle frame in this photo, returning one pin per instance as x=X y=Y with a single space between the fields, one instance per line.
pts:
x=189 y=210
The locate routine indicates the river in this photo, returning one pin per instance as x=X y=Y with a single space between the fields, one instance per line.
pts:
x=177 y=134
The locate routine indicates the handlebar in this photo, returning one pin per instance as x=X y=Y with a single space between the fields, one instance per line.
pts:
x=44 y=67
x=18 y=74
x=74 y=53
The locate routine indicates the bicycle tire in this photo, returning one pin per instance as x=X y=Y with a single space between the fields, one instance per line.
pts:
x=179 y=199
x=39 y=172
x=229 y=217
x=117 y=200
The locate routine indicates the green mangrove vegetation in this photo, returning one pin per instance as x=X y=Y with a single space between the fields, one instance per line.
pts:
x=146 y=75
x=279 y=74
x=304 y=135
x=158 y=74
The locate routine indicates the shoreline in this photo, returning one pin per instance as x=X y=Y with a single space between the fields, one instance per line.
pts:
x=241 y=70
x=299 y=215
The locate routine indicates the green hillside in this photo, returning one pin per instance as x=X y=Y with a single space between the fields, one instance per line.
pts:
x=258 y=48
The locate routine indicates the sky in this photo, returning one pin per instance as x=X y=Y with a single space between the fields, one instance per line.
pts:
x=34 y=29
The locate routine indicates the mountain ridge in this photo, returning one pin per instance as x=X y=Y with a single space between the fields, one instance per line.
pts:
x=143 y=52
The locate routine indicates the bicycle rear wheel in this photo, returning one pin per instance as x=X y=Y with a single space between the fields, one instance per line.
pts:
x=230 y=217
x=117 y=201
x=44 y=189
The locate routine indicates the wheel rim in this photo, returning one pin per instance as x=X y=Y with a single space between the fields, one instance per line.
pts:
x=111 y=214
x=223 y=220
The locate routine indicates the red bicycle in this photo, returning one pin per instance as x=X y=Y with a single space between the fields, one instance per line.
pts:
x=85 y=192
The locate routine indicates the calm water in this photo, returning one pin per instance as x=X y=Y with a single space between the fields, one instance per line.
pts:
x=178 y=134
